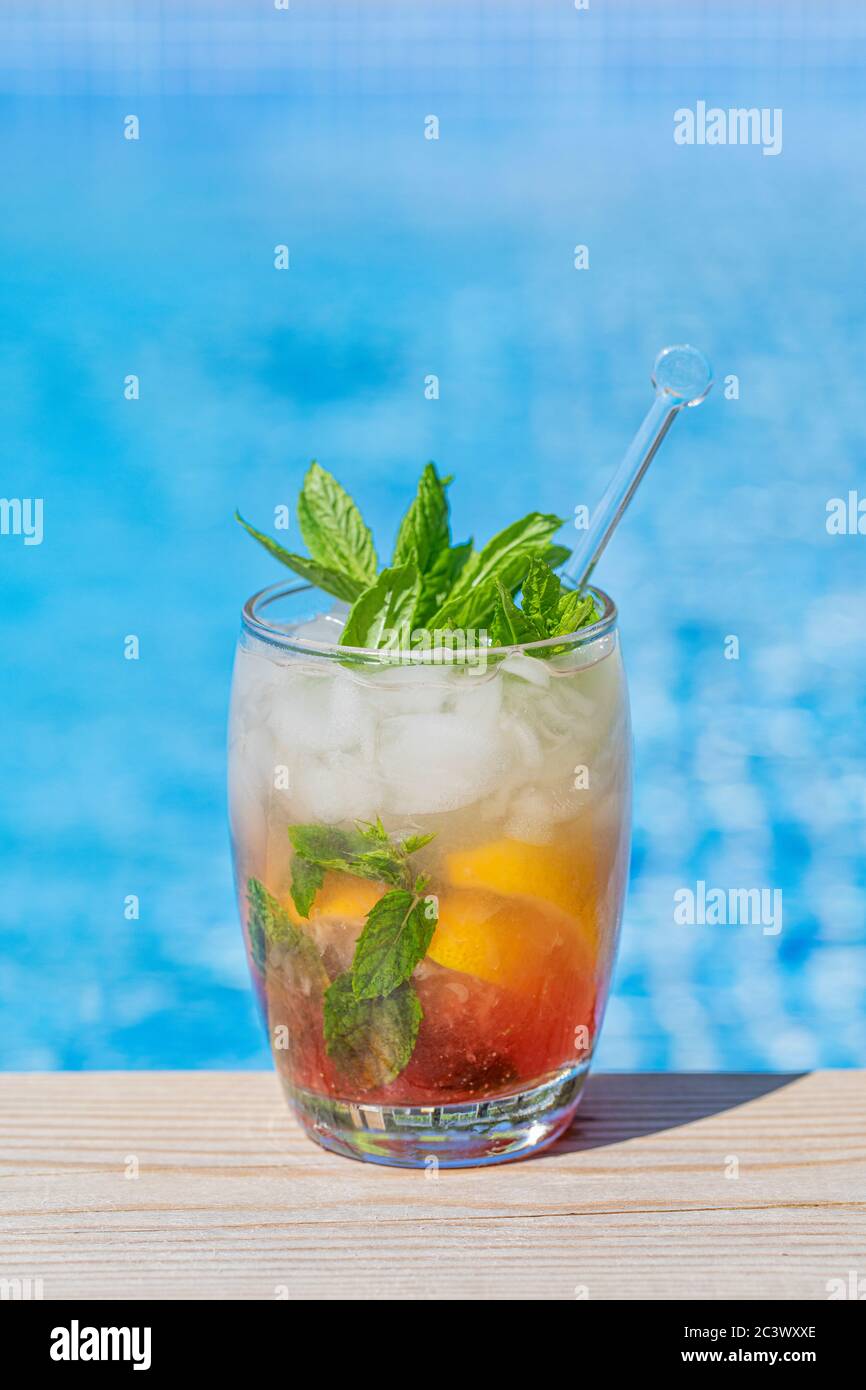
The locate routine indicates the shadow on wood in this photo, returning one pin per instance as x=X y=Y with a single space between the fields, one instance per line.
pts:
x=617 y=1107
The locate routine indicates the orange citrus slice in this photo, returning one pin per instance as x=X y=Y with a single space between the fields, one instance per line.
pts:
x=562 y=877
x=507 y=943
x=342 y=897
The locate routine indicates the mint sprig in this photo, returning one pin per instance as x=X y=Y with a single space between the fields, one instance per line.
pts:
x=424 y=539
x=367 y=851
x=548 y=610
x=334 y=582
x=431 y=585
x=574 y=611
x=372 y=1013
x=541 y=591
x=371 y=1040
x=505 y=555
x=270 y=926
x=511 y=625
x=336 y=534
x=396 y=935
x=384 y=612
x=342 y=558
x=504 y=559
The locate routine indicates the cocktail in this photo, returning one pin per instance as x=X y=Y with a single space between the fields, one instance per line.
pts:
x=430 y=810
x=431 y=844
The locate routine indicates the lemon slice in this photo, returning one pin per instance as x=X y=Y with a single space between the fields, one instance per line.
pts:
x=341 y=897
x=507 y=943
x=551 y=874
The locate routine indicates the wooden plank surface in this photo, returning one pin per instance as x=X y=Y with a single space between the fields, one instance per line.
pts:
x=668 y=1186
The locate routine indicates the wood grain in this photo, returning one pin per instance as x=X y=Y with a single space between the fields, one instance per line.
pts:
x=231 y=1201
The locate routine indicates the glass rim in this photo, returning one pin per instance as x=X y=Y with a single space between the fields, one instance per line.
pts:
x=274 y=635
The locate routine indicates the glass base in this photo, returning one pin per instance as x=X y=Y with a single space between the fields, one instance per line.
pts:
x=462 y=1135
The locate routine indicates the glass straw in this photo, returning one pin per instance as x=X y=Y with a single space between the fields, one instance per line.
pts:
x=681 y=376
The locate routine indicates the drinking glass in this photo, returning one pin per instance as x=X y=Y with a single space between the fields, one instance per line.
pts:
x=518 y=769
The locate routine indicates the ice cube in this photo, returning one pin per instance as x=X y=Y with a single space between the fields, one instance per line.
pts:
x=495 y=806
x=253 y=755
x=300 y=708
x=254 y=681
x=529 y=817
x=248 y=793
x=352 y=722
x=527 y=668
x=393 y=690
x=437 y=762
x=527 y=754
x=327 y=627
x=475 y=697
x=338 y=787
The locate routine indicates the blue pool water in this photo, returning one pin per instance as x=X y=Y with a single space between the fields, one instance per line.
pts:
x=411 y=257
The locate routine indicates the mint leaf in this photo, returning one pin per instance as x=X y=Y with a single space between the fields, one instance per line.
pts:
x=541 y=591
x=344 y=852
x=548 y=610
x=508 y=552
x=395 y=938
x=367 y=851
x=458 y=558
x=472 y=601
x=574 y=611
x=424 y=531
x=371 y=1040
x=440 y=579
x=270 y=926
x=555 y=555
x=333 y=528
x=424 y=538
x=510 y=624
x=373 y=831
x=458 y=612
x=381 y=865
x=257 y=919
x=446 y=574
x=476 y=608
x=306 y=881
x=416 y=842
x=372 y=1014
x=322 y=844
x=332 y=581
x=381 y=615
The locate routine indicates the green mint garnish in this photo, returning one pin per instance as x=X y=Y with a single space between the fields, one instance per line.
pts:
x=342 y=558
x=396 y=935
x=306 y=881
x=425 y=531
x=372 y=1013
x=270 y=926
x=432 y=586
x=382 y=616
x=367 y=852
x=555 y=555
x=541 y=591
x=511 y=625
x=332 y=581
x=371 y=1040
x=506 y=557
x=574 y=611
x=333 y=528
x=548 y=610
x=424 y=539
